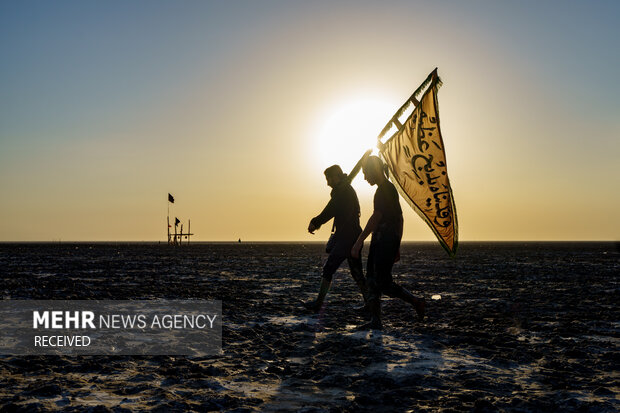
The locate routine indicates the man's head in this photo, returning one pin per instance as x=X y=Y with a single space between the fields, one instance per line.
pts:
x=373 y=170
x=334 y=175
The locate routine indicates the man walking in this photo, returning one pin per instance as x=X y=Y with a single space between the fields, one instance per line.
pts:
x=386 y=226
x=344 y=207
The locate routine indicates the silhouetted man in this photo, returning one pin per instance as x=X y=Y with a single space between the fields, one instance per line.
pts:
x=386 y=226
x=344 y=207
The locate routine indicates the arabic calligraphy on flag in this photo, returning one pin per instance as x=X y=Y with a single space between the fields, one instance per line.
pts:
x=416 y=161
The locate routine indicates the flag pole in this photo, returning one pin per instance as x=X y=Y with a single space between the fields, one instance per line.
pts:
x=168 y=218
x=358 y=165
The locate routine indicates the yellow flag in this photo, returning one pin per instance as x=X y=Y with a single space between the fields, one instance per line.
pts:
x=417 y=165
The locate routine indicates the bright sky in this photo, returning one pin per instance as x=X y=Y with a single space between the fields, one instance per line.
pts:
x=237 y=107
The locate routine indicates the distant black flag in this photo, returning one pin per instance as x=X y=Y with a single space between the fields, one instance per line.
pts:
x=176 y=221
x=170 y=198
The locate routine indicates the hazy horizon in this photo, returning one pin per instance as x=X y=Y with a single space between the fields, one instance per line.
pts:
x=366 y=243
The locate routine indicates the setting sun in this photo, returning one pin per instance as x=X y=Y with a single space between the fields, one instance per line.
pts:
x=347 y=129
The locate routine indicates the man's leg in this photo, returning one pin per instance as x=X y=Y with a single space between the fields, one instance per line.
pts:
x=332 y=264
x=397 y=291
x=389 y=287
x=355 y=265
x=374 y=291
x=384 y=252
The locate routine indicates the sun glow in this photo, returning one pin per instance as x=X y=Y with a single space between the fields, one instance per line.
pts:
x=346 y=130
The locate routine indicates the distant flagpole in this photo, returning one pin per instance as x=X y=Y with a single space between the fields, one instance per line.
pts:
x=168 y=220
x=170 y=201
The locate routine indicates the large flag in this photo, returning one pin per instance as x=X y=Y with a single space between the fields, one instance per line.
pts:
x=417 y=164
x=170 y=198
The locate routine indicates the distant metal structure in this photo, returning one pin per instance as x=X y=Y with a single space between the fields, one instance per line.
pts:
x=177 y=237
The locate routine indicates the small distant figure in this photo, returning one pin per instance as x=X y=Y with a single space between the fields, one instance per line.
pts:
x=239 y=240
x=344 y=207
x=386 y=226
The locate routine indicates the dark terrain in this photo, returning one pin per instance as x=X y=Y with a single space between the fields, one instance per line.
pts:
x=518 y=327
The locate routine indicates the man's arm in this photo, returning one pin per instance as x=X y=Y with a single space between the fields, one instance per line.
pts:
x=371 y=226
x=328 y=213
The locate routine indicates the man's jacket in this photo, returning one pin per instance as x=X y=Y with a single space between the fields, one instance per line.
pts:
x=344 y=207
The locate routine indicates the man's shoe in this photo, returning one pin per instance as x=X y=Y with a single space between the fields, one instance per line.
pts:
x=312 y=306
x=420 y=308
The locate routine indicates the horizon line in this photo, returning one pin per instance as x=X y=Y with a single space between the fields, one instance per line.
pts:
x=60 y=241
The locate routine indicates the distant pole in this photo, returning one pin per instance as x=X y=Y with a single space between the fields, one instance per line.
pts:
x=168 y=219
x=189 y=232
x=175 y=232
x=181 y=236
